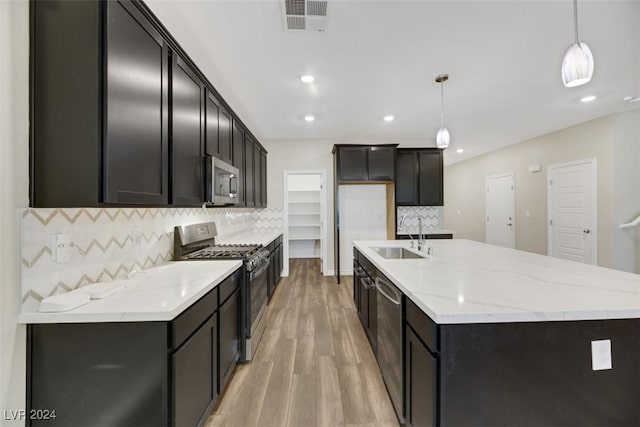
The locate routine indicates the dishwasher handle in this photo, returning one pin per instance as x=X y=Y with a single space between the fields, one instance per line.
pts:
x=397 y=300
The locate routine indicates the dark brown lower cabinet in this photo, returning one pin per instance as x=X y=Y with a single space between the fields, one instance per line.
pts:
x=229 y=338
x=136 y=373
x=195 y=377
x=421 y=379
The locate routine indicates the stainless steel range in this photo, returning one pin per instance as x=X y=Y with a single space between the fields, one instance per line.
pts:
x=197 y=242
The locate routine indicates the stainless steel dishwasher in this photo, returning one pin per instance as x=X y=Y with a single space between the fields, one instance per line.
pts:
x=390 y=330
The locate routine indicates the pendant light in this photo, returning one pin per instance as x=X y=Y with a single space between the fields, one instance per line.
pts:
x=442 y=137
x=577 y=64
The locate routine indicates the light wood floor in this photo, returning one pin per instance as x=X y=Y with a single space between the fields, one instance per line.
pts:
x=314 y=365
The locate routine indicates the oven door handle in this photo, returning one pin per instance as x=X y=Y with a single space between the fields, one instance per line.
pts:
x=259 y=271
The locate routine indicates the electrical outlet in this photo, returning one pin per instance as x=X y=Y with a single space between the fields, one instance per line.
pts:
x=61 y=247
x=601 y=355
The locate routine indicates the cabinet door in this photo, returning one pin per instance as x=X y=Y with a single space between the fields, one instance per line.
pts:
x=372 y=325
x=257 y=175
x=187 y=134
x=249 y=195
x=364 y=302
x=194 y=375
x=407 y=178
x=238 y=158
x=229 y=339
x=382 y=163
x=430 y=166
x=135 y=156
x=224 y=135
x=421 y=375
x=263 y=177
x=352 y=163
x=212 y=108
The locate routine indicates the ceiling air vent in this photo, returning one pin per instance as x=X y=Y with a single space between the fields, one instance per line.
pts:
x=308 y=16
x=316 y=8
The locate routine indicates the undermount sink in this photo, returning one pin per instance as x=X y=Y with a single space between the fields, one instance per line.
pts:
x=395 y=253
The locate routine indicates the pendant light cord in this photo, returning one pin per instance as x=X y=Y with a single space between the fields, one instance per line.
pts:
x=575 y=19
x=442 y=103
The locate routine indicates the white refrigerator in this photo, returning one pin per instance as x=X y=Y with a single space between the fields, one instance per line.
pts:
x=363 y=216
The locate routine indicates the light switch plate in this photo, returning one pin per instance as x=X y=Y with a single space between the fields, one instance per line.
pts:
x=601 y=355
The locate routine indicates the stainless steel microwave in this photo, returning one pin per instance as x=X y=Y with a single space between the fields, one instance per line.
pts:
x=222 y=182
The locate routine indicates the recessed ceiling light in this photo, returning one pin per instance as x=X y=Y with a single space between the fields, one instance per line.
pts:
x=588 y=98
x=460 y=150
x=307 y=78
x=388 y=118
x=309 y=118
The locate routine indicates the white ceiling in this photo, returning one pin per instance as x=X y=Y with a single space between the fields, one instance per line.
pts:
x=381 y=57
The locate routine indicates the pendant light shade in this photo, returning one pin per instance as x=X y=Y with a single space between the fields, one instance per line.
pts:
x=442 y=137
x=577 y=64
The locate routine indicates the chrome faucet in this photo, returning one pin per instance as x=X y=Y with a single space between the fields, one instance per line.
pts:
x=421 y=239
x=401 y=225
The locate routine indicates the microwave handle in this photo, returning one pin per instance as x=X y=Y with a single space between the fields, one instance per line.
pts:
x=233 y=185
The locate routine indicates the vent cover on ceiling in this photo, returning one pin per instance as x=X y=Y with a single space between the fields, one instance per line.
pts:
x=305 y=15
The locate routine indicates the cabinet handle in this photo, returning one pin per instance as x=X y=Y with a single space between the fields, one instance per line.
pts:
x=586 y=231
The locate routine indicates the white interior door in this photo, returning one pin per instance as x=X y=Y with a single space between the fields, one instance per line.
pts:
x=572 y=211
x=500 y=216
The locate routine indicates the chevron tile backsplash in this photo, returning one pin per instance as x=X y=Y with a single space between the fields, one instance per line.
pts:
x=429 y=214
x=269 y=219
x=109 y=243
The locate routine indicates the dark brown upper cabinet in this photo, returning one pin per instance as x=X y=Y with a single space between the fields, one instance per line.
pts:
x=187 y=135
x=419 y=177
x=219 y=130
x=225 y=135
x=120 y=115
x=98 y=136
x=263 y=158
x=257 y=175
x=136 y=143
x=249 y=179
x=212 y=110
x=365 y=162
x=238 y=159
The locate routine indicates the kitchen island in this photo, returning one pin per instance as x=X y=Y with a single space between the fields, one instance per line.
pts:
x=495 y=336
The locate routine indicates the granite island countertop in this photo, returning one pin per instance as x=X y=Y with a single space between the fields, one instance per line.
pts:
x=157 y=294
x=470 y=282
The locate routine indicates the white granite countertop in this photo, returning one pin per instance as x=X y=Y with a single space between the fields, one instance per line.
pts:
x=249 y=238
x=157 y=294
x=471 y=282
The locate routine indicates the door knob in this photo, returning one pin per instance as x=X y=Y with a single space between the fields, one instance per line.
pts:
x=586 y=231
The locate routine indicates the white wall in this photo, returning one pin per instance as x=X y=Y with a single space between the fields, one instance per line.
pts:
x=626 y=191
x=464 y=185
x=14 y=154
x=300 y=155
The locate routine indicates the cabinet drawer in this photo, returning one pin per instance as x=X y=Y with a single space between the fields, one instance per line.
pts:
x=229 y=285
x=367 y=265
x=185 y=324
x=423 y=326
